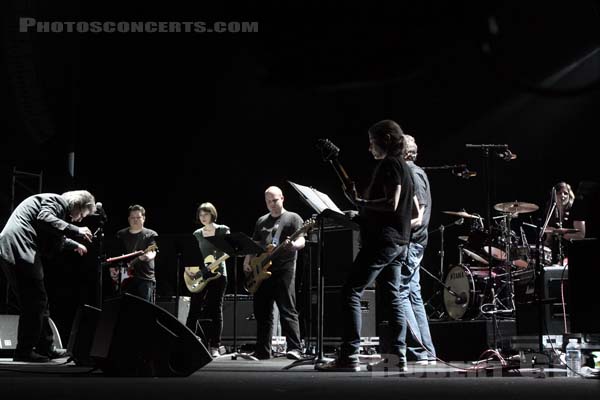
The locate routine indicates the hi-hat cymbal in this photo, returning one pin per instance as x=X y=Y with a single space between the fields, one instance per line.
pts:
x=516 y=207
x=461 y=214
x=560 y=231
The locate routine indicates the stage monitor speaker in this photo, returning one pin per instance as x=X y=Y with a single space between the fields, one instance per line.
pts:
x=82 y=335
x=584 y=278
x=136 y=338
x=9 y=325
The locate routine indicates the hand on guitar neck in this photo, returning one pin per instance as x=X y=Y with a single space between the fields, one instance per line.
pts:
x=350 y=192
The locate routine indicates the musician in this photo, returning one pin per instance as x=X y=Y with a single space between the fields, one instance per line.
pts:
x=208 y=303
x=36 y=228
x=385 y=212
x=134 y=238
x=274 y=229
x=564 y=215
x=415 y=315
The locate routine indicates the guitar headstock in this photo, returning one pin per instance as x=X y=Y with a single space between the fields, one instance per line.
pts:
x=328 y=149
x=307 y=226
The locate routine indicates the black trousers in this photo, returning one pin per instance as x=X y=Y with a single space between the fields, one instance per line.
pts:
x=280 y=288
x=32 y=302
x=207 y=307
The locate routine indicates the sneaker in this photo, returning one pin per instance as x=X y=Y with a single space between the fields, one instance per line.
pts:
x=214 y=352
x=294 y=354
x=426 y=362
x=340 y=365
x=30 y=356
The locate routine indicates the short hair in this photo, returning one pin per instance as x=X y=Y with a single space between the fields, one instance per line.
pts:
x=209 y=208
x=565 y=185
x=136 y=207
x=388 y=135
x=80 y=200
x=410 y=148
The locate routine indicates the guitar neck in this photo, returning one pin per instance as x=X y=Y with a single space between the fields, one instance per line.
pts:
x=341 y=173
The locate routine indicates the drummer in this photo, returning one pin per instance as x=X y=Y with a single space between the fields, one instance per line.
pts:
x=565 y=222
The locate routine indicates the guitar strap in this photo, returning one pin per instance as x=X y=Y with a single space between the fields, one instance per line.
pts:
x=279 y=225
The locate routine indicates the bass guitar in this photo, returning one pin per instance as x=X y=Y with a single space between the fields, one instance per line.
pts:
x=261 y=264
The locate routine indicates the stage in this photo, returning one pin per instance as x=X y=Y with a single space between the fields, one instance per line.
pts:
x=243 y=379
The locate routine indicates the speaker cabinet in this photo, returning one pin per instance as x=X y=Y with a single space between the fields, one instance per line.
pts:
x=9 y=325
x=332 y=323
x=136 y=338
x=340 y=247
x=245 y=323
x=170 y=304
x=555 y=276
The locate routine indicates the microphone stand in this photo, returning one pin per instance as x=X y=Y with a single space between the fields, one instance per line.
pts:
x=485 y=148
x=539 y=274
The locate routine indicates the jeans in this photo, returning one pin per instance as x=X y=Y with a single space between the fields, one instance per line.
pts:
x=383 y=261
x=416 y=316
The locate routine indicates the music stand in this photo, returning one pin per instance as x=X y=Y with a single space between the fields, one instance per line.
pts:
x=325 y=209
x=236 y=244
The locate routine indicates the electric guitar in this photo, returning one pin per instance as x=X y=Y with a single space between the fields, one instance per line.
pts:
x=261 y=264
x=201 y=276
x=131 y=257
x=152 y=247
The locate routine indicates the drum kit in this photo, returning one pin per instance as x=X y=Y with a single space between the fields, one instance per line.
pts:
x=493 y=263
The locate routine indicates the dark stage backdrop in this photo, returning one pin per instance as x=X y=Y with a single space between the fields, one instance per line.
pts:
x=170 y=120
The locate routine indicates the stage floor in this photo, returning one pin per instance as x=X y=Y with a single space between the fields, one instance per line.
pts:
x=245 y=379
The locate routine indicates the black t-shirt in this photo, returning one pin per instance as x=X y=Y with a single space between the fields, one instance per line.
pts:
x=209 y=249
x=139 y=241
x=389 y=225
x=266 y=232
x=423 y=193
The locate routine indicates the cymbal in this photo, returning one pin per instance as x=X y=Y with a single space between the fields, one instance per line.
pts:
x=461 y=214
x=560 y=231
x=516 y=207
x=475 y=256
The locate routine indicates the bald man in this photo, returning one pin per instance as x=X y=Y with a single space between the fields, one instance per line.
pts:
x=274 y=229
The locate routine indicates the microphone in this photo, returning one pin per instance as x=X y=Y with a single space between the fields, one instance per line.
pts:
x=100 y=212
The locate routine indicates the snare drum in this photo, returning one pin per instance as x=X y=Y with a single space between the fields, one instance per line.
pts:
x=468 y=292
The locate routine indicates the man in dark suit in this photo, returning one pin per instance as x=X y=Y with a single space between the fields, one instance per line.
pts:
x=38 y=227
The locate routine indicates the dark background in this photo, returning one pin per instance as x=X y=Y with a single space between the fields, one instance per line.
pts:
x=170 y=120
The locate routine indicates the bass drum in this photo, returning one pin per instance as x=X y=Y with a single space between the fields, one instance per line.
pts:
x=468 y=289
